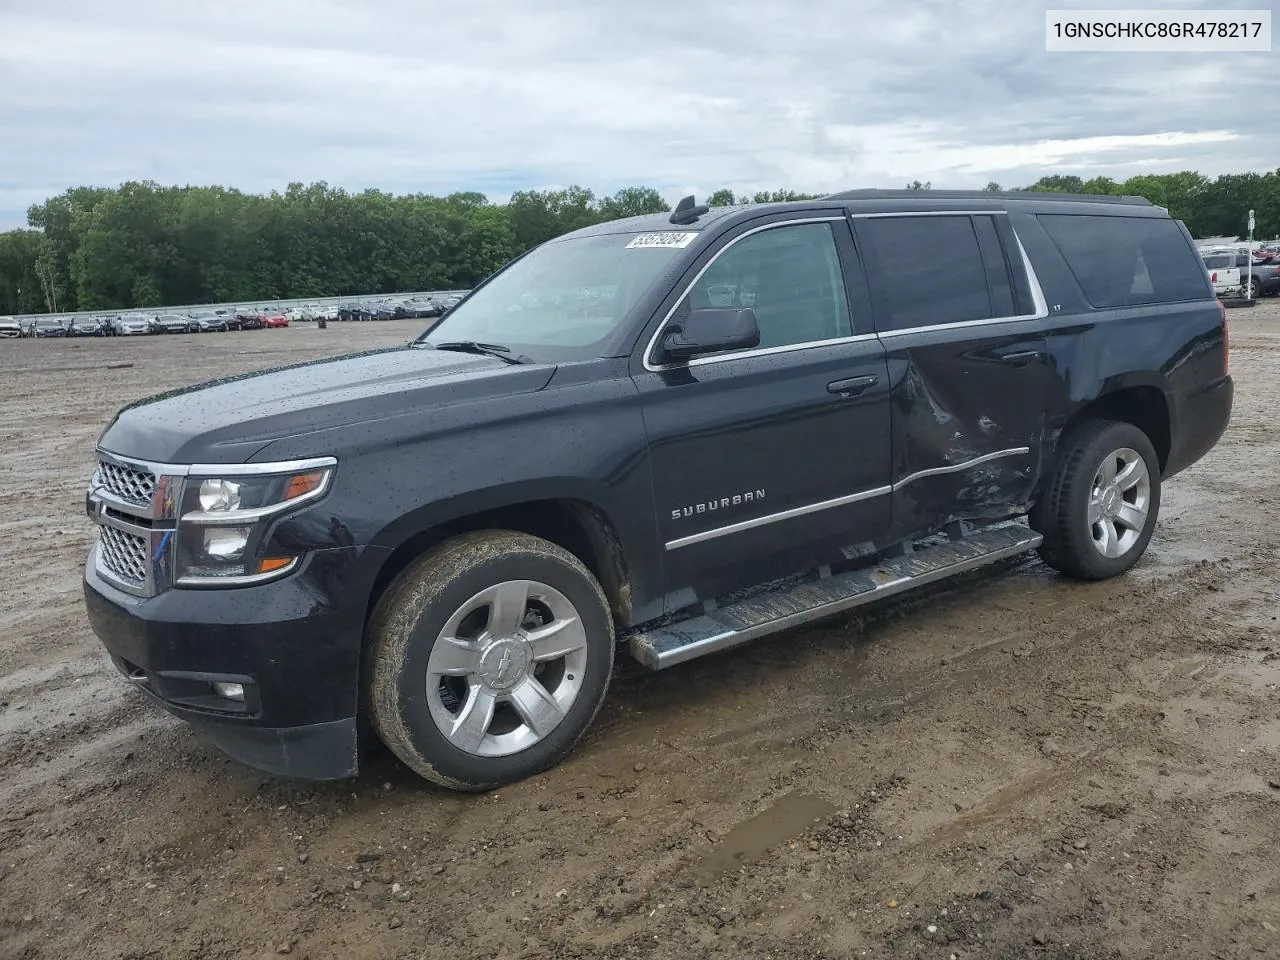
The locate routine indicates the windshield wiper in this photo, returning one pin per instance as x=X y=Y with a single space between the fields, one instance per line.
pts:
x=485 y=349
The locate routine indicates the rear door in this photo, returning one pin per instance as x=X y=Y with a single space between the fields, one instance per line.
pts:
x=960 y=317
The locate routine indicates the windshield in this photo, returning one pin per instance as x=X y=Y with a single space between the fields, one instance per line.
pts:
x=567 y=295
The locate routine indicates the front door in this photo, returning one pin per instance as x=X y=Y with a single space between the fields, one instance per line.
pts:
x=772 y=459
x=962 y=322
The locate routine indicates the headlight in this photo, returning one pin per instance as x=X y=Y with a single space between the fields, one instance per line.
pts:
x=223 y=520
x=219 y=495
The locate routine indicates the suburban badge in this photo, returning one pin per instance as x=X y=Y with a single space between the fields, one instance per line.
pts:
x=724 y=503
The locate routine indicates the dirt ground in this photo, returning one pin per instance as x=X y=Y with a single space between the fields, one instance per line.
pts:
x=1020 y=767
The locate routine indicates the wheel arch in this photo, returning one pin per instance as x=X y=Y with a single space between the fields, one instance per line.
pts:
x=1140 y=402
x=575 y=522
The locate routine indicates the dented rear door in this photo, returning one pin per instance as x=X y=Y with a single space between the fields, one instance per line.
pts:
x=961 y=319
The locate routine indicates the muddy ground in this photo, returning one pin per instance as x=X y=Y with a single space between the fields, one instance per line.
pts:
x=1022 y=767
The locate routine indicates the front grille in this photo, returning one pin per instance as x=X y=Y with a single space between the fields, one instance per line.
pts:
x=134 y=486
x=123 y=554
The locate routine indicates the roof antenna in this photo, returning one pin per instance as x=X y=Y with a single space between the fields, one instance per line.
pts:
x=687 y=211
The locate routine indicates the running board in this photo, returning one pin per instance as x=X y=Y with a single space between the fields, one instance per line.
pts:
x=738 y=623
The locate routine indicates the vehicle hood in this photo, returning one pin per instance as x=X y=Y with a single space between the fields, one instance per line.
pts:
x=228 y=420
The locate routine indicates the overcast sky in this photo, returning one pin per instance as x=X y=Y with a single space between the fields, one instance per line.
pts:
x=682 y=95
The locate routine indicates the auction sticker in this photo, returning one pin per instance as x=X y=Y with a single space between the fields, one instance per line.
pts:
x=677 y=240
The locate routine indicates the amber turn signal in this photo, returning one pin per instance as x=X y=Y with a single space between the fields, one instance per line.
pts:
x=303 y=483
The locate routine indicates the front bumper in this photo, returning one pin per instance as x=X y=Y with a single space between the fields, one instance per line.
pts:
x=293 y=644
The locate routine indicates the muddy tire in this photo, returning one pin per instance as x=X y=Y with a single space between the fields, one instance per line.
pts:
x=1099 y=507
x=489 y=657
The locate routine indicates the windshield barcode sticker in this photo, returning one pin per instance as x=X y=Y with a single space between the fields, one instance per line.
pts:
x=677 y=240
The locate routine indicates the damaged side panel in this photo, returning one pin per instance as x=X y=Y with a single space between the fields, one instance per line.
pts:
x=968 y=421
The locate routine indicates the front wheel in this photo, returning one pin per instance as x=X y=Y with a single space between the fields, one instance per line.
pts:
x=1099 y=508
x=489 y=658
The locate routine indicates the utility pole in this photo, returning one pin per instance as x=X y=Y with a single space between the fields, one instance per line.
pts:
x=1248 y=294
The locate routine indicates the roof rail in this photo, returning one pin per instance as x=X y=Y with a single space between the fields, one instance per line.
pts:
x=873 y=194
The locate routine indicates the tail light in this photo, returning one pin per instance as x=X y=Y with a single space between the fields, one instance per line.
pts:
x=1226 y=339
x=1213 y=277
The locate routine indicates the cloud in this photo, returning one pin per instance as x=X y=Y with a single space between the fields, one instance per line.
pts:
x=498 y=95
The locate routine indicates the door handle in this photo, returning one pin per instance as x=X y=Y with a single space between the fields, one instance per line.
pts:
x=1021 y=358
x=852 y=386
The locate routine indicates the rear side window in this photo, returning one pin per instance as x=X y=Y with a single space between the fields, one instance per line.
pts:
x=1122 y=261
x=926 y=270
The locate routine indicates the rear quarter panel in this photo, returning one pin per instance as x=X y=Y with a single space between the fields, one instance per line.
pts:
x=1177 y=348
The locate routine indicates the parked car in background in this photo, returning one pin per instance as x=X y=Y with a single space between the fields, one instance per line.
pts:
x=1266 y=275
x=175 y=323
x=46 y=327
x=10 y=327
x=132 y=325
x=1230 y=271
x=249 y=320
x=211 y=322
x=86 y=327
x=1223 y=270
x=275 y=320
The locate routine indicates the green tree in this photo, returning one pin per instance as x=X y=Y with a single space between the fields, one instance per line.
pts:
x=1057 y=183
x=144 y=244
x=21 y=290
x=633 y=202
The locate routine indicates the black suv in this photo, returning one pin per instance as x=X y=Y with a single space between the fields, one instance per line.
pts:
x=664 y=435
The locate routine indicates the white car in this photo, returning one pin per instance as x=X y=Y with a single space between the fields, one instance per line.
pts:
x=10 y=327
x=132 y=325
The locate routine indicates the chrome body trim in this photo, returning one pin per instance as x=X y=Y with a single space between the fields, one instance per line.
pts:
x=219 y=469
x=958 y=467
x=238 y=517
x=775 y=517
x=1041 y=310
x=245 y=581
x=842 y=501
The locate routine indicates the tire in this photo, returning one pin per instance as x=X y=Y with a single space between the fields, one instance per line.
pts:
x=423 y=688
x=1076 y=545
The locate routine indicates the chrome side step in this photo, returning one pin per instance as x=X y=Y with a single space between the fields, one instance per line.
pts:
x=759 y=616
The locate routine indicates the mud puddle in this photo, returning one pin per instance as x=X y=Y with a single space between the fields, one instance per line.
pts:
x=752 y=839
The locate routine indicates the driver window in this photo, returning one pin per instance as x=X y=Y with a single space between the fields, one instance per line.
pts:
x=789 y=275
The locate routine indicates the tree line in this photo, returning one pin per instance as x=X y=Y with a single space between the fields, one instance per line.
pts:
x=142 y=244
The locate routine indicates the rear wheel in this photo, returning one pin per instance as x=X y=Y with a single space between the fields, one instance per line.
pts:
x=490 y=657
x=1099 y=509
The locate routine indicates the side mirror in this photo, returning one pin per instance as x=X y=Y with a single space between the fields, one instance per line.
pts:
x=710 y=331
